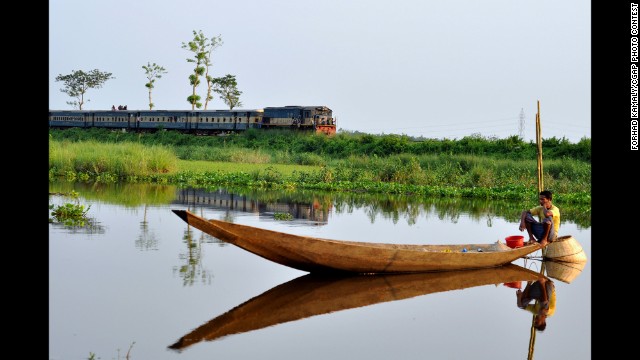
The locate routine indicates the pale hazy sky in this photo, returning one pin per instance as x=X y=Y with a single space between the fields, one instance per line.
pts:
x=439 y=69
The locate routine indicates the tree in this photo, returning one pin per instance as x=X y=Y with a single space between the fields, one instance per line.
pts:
x=227 y=87
x=153 y=72
x=201 y=47
x=215 y=42
x=78 y=82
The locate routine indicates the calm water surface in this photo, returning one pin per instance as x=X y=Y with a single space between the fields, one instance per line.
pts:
x=139 y=278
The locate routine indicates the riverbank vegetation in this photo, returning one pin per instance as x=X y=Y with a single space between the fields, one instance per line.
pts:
x=469 y=167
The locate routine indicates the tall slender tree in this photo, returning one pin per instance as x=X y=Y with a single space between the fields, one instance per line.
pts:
x=153 y=72
x=227 y=88
x=78 y=82
x=215 y=42
x=201 y=47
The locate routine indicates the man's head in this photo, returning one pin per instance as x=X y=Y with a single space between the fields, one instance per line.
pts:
x=545 y=198
x=547 y=194
x=540 y=322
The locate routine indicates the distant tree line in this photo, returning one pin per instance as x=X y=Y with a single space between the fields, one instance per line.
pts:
x=78 y=82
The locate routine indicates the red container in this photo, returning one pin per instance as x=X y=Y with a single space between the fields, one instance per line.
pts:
x=515 y=241
x=513 y=284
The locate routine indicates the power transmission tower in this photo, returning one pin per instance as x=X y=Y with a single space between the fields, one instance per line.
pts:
x=521 y=131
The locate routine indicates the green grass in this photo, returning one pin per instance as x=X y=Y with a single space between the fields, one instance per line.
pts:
x=456 y=175
x=94 y=158
x=200 y=166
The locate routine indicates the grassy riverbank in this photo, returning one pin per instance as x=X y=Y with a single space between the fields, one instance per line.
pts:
x=207 y=161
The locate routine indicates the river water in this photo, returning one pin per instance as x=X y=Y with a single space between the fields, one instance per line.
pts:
x=138 y=280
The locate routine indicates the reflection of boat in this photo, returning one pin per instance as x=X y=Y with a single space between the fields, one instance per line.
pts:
x=322 y=255
x=315 y=294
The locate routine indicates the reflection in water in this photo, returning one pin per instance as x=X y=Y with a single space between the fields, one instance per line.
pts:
x=92 y=227
x=312 y=295
x=564 y=271
x=309 y=209
x=147 y=239
x=192 y=269
x=315 y=206
x=125 y=194
x=543 y=292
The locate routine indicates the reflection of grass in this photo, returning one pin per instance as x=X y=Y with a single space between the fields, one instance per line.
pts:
x=117 y=193
x=92 y=355
x=379 y=204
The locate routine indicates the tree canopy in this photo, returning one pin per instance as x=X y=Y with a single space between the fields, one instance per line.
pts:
x=201 y=47
x=227 y=88
x=78 y=82
x=153 y=72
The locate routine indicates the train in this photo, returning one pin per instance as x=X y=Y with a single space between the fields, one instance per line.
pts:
x=317 y=119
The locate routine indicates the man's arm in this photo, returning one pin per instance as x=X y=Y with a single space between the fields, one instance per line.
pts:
x=522 y=216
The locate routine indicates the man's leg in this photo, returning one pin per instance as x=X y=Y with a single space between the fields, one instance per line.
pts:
x=546 y=226
x=534 y=228
x=551 y=236
x=528 y=226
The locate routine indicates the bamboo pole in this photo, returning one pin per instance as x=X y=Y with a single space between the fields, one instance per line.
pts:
x=532 y=335
x=539 y=143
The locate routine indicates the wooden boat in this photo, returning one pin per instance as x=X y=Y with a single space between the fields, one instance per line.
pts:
x=322 y=255
x=317 y=294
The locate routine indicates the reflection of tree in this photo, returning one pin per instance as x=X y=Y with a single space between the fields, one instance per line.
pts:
x=192 y=269
x=228 y=216
x=147 y=240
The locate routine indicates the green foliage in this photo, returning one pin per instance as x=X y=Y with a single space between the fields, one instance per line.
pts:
x=201 y=47
x=473 y=166
x=344 y=145
x=69 y=214
x=152 y=72
x=283 y=216
x=227 y=88
x=78 y=82
x=109 y=161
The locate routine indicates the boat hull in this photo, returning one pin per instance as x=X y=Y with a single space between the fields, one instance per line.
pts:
x=323 y=255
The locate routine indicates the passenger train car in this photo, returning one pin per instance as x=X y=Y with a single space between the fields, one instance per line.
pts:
x=202 y=122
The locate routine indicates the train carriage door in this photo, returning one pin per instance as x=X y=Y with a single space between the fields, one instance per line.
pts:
x=306 y=117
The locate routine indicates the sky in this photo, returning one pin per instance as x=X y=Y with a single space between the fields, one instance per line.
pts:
x=436 y=69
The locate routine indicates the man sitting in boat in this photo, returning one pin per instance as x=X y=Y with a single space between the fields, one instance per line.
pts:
x=545 y=230
x=544 y=292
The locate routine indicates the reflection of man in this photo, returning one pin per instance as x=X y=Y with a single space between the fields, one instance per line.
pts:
x=544 y=292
